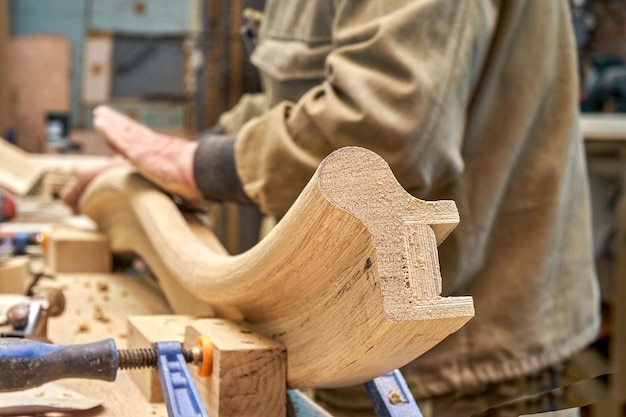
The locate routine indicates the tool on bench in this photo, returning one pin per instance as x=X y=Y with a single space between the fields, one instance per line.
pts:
x=27 y=364
x=28 y=314
x=22 y=243
x=7 y=206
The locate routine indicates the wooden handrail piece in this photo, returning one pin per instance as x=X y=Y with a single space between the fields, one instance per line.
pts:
x=348 y=280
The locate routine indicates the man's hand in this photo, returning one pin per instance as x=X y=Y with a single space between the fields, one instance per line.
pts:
x=71 y=192
x=165 y=160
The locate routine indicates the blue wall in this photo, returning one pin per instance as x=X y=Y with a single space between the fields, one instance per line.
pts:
x=75 y=18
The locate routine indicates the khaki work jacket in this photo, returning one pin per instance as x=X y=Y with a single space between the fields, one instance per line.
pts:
x=474 y=101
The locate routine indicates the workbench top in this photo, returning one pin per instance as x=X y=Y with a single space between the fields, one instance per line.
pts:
x=96 y=308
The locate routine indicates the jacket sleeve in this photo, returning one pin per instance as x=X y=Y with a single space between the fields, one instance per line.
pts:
x=248 y=107
x=398 y=81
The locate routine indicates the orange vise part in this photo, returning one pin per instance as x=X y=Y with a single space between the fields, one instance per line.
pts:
x=206 y=368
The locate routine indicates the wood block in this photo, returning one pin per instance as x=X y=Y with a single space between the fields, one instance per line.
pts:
x=143 y=331
x=249 y=370
x=74 y=250
x=14 y=275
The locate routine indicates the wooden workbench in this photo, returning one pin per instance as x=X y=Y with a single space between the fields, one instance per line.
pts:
x=96 y=308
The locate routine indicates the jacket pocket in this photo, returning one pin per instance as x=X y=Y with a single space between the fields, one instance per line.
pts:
x=289 y=67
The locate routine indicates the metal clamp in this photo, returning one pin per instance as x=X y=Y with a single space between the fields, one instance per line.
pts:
x=180 y=392
x=389 y=394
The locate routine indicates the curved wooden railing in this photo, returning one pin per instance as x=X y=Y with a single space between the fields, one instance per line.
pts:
x=348 y=280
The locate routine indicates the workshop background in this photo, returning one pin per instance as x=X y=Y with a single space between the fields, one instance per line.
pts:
x=176 y=69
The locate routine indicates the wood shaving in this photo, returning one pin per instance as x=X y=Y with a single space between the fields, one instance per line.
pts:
x=99 y=315
x=83 y=328
x=395 y=397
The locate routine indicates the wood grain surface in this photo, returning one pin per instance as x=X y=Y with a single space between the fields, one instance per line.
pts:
x=97 y=307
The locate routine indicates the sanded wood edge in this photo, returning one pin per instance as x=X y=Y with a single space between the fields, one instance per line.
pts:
x=405 y=231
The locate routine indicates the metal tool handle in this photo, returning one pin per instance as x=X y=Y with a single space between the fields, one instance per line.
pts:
x=180 y=392
x=26 y=364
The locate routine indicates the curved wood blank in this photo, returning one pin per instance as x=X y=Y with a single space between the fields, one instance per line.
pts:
x=348 y=280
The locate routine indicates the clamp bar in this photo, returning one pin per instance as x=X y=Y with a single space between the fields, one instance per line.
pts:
x=391 y=396
x=181 y=395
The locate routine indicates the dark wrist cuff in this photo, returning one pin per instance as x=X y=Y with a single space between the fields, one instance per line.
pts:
x=214 y=169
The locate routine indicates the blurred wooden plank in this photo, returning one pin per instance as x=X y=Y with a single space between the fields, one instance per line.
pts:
x=4 y=66
x=228 y=75
x=603 y=126
x=14 y=275
x=228 y=71
x=237 y=53
x=214 y=64
x=18 y=173
x=75 y=251
x=40 y=83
